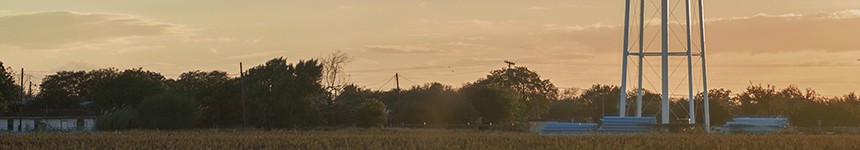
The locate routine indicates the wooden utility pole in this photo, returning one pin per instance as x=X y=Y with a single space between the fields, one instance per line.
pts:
x=399 y=99
x=397 y=80
x=22 y=85
x=242 y=89
x=510 y=64
x=21 y=119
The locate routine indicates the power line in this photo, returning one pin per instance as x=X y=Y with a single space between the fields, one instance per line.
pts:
x=410 y=81
x=386 y=83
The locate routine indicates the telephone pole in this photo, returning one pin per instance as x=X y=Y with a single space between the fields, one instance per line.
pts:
x=242 y=89
x=397 y=80
x=21 y=119
x=22 y=85
x=399 y=96
x=510 y=64
x=30 y=91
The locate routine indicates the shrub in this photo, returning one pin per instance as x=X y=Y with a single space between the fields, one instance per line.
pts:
x=371 y=113
x=168 y=111
x=119 y=119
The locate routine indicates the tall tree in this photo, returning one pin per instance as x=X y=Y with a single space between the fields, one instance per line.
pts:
x=342 y=110
x=129 y=88
x=602 y=99
x=721 y=106
x=9 y=91
x=494 y=104
x=432 y=103
x=371 y=113
x=535 y=93
x=283 y=95
x=216 y=92
x=567 y=109
x=65 y=89
x=169 y=110
x=334 y=78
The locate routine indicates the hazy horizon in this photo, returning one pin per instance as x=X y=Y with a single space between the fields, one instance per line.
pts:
x=812 y=44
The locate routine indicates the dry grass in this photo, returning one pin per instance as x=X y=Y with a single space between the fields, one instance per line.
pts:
x=414 y=139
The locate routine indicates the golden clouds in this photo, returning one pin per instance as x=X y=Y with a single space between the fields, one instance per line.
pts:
x=68 y=30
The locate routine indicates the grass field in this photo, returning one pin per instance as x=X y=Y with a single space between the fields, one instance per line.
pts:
x=413 y=139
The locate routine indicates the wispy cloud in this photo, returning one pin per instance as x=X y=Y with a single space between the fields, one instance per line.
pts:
x=77 y=65
x=430 y=35
x=68 y=30
x=401 y=49
x=270 y=54
x=760 y=33
x=475 y=22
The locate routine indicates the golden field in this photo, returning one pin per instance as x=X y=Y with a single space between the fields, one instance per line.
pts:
x=413 y=139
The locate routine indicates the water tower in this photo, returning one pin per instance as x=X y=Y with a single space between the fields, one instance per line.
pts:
x=686 y=49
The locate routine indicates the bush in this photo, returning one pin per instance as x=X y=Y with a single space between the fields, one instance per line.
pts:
x=119 y=119
x=371 y=113
x=168 y=111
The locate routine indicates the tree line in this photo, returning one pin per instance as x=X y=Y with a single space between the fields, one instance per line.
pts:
x=308 y=94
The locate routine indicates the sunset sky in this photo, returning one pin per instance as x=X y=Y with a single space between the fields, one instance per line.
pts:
x=574 y=43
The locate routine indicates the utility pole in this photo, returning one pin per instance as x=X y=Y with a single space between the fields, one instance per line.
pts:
x=510 y=64
x=21 y=119
x=22 y=85
x=242 y=89
x=399 y=98
x=30 y=91
x=397 y=80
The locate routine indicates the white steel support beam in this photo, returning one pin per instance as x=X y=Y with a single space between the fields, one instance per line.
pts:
x=661 y=54
x=641 y=58
x=622 y=94
x=664 y=107
x=691 y=100
x=704 y=68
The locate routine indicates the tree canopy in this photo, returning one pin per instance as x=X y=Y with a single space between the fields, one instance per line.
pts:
x=280 y=94
x=9 y=91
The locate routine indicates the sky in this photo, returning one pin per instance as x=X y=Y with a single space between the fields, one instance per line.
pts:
x=573 y=43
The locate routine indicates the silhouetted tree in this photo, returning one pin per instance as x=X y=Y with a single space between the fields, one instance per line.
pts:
x=532 y=91
x=334 y=78
x=9 y=91
x=283 y=95
x=119 y=119
x=342 y=110
x=371 y=113
x=65 y=89
x=128 y=88
x=216 y=92
x=602 y=100
x=495 y=105
x=721 y=106
x=567 y=109
x=170 y=110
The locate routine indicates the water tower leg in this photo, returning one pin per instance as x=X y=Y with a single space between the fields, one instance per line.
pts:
x=665 y=63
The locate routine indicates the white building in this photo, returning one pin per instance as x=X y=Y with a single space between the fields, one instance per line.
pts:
x=49 y=120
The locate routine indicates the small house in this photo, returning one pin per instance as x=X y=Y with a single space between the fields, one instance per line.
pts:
x=49 y=120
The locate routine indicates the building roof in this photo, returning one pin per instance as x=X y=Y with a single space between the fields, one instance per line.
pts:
x=52 y=113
